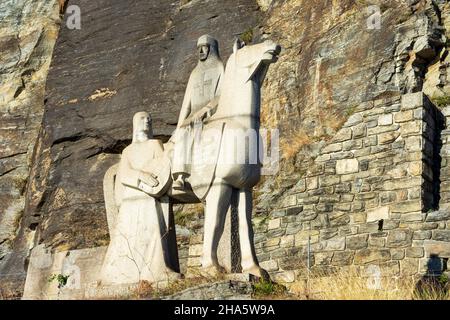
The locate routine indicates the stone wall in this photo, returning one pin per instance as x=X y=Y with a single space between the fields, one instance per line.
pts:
x=368 y=199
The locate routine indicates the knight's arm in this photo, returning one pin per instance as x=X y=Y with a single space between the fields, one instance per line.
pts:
x=186 y=106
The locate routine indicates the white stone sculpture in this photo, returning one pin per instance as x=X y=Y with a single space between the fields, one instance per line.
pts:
x=199 y=101
x=140 y=220
x=225 y=184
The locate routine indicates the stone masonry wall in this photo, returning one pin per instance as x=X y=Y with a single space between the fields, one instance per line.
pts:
x=368 y=200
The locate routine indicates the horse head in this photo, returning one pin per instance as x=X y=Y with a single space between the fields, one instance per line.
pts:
x=255 y=58
x=244 y=74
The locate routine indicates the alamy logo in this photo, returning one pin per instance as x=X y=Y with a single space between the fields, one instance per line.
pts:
x=374 y=277
x=374 y=19
x=73 y=21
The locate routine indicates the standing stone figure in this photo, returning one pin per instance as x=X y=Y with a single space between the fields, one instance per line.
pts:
x=200 y=101
x=140 y=247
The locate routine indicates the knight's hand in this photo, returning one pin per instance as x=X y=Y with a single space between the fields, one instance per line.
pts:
x=150 y=179
x=201 y=115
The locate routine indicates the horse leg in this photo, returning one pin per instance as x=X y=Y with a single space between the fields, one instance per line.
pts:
x=249 y=261
x=217 y=204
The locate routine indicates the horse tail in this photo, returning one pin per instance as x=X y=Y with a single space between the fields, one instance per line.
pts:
x=112 y=200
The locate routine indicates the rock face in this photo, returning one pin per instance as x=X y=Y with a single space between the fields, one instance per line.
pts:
x=329 y=48
x=125 y=58
x=28 y=31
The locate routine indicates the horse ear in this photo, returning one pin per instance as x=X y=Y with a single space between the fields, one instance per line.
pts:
x=238 y=44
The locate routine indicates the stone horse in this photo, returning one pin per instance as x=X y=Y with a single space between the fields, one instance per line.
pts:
x=230 y=141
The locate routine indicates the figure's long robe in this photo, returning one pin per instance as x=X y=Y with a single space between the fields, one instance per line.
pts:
x=203 y=86
x=138 y=249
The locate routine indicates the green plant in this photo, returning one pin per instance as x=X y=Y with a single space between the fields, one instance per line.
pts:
x=60 y=278
x=247 y=36
x=264 y=288
x=443 y=279
x=441 y=101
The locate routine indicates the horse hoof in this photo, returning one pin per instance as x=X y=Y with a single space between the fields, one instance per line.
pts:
x=173 y=276
x=258 y=272
x=214 y=271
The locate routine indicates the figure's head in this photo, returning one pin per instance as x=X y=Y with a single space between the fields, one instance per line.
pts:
x=206 y=46
x=142 y=127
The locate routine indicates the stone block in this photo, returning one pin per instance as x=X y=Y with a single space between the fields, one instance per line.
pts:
x=438 y=216
x=293 y=228
x=415 y=168
x=272 y=242
x=413 y=143
x=412 y=100
x=406 y=207
x=269 y=265
x=378 y=214
x=294 y=210
x=387 y=137
x=326 y=181
x=295 y=262
x=337 y=219
x=385 y=120
x=359 y=131
x=383 y=129
x=343 y=258
x=411 y=217
x=312 y=183
x=397 y=254
x=419 y=113
x=301 y=238
x=347 y=166
x=439 y=248
x=399 y=238
x=278 y=213
x=410 y=128
x=284 y=277
x=370 y=142
x=274 y=224
x=300 y=186
x=343 y=207
x=387 y=197
x=343 y=135
x=403 y=116
x=310 y=200
x=357 y=242
x=335 y=244
x=287 y=241
x=334 y=147
x=327 y=199
x=278 y=253
x=358 y=218
x=422 y=235
x=377 y=242
x=390 y=268
x=323 y=258
x=366 y=256
x=353 y=120
x=409 y=266
x=307 y=216
x=352 y=145
x=415 y=252
x=441 y=235
x=342 y=155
